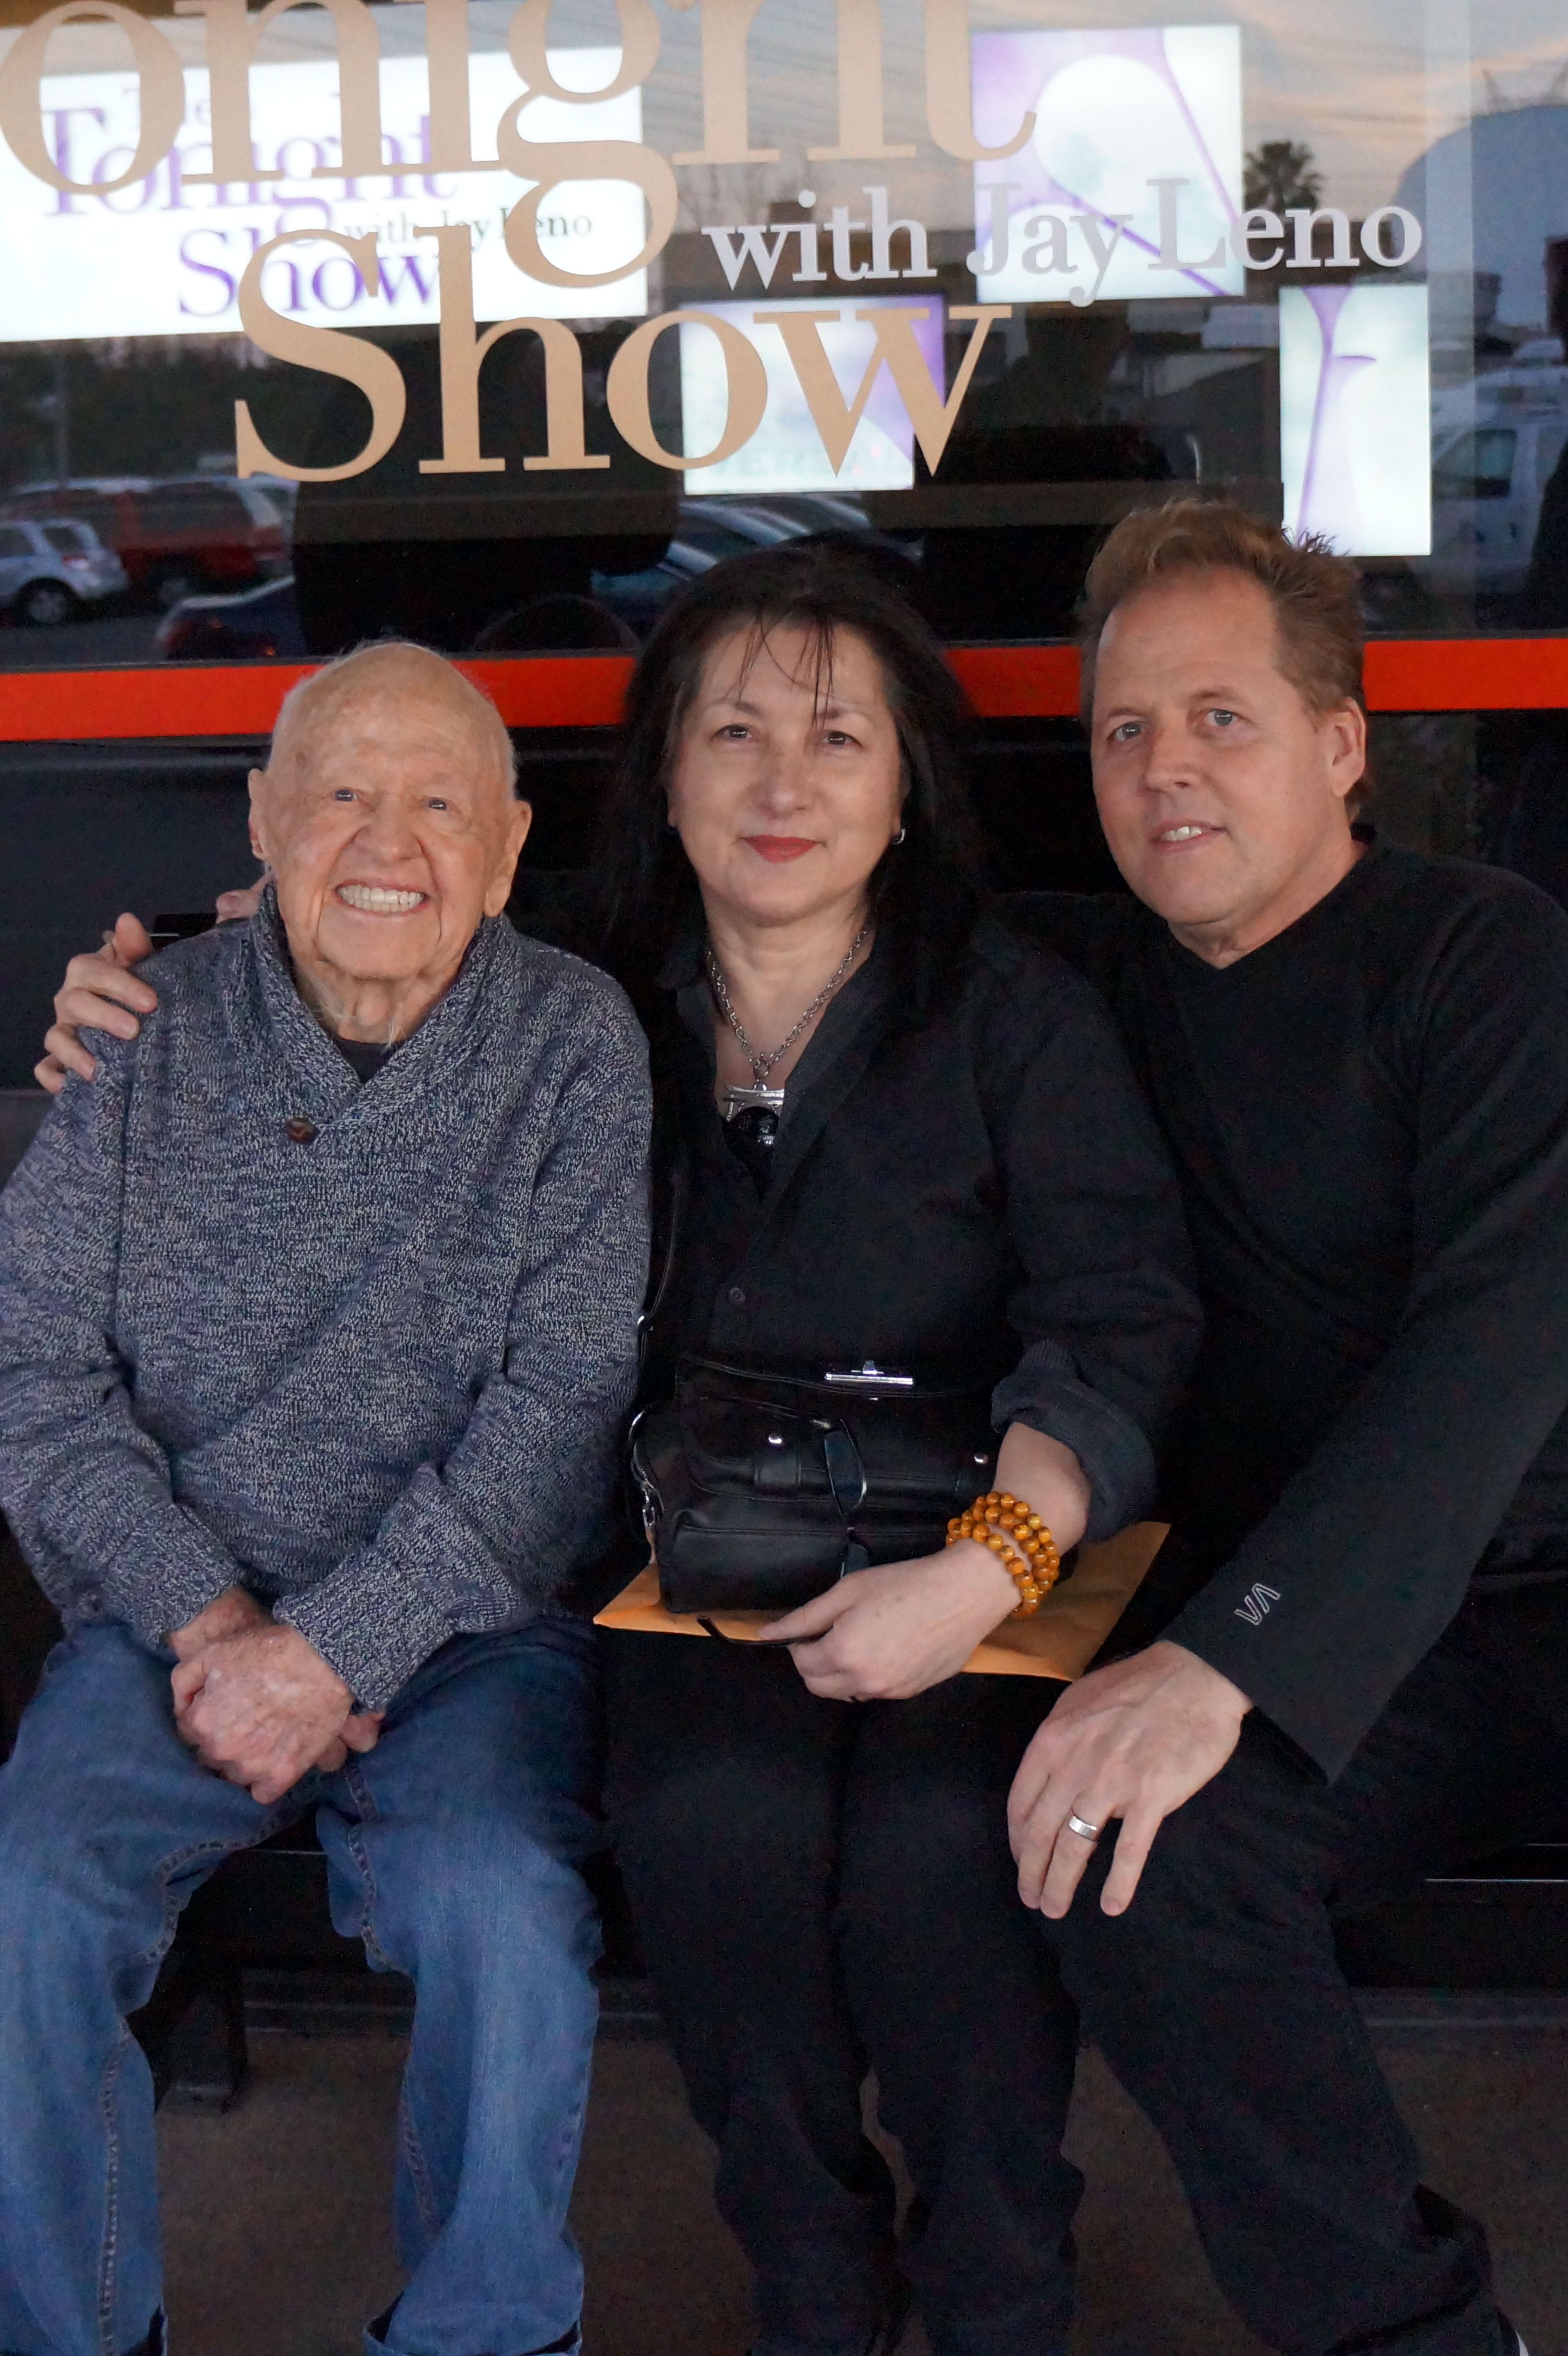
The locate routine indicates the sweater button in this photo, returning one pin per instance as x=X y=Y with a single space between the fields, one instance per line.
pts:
x=737 y=1296
x=300 y=1131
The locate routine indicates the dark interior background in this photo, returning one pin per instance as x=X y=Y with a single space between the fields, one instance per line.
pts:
x=90 y=830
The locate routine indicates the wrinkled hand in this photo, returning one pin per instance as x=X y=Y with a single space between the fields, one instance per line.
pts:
x=99 y=994
x=1134 y=1741
x=887 y=1633
x=261 y=1707
x=362 y=1731
x=229 y=1614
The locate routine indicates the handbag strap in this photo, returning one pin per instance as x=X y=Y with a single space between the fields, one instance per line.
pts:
x=679 y=1180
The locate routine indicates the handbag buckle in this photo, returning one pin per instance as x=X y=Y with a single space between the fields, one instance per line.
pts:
x=868 y=1376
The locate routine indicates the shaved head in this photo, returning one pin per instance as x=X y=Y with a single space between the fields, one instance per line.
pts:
x=394 y=671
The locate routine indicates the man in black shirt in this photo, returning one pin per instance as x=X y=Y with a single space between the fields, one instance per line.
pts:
x=1360 y=1671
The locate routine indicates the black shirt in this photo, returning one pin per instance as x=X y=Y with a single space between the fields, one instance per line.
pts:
x=974 y=1190
x=366 y=1055
x=1371 y=1116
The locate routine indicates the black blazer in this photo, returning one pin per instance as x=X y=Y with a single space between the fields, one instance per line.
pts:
x=970 y=1190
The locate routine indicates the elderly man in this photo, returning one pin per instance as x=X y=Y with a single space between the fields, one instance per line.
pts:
x=318 y=1321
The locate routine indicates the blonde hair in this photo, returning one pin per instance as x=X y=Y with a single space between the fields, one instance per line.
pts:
x=1315 y=593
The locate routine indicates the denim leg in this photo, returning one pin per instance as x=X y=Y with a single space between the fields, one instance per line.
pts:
x=454 y=1849
x=107 y=1824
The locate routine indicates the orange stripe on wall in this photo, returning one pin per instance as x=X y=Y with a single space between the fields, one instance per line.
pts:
x=1468 y=674
x=554 y=690
x=585 y=691
x=236 y=700
x=1018 y=683
x=243 y=699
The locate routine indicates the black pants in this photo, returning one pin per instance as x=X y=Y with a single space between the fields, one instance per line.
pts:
x=1218 y=2002
x=825 y=1887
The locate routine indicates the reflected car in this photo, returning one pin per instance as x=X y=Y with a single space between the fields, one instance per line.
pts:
x=243 y=629
x=708 y=530
x=638 y=599
x=178 y=537
x=1489 y=474
x=51 y=569
x=788 y=515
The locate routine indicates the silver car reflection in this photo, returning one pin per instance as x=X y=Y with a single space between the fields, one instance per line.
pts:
x=50 y=570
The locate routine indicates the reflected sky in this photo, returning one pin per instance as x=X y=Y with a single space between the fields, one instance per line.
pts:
x=1368 y=84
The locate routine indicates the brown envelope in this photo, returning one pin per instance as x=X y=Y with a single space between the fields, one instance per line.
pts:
x=1060 y=1641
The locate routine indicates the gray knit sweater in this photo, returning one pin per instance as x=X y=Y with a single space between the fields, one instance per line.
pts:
x=377 y=1374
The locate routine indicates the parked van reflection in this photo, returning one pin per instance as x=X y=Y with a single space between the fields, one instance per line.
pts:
x=1494 y=454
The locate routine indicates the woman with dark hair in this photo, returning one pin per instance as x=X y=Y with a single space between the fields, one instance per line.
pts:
x=645 y=889
x=889 y=1133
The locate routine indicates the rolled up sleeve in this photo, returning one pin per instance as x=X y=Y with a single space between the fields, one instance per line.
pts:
x=1104 y=1303
x=1045 y=1392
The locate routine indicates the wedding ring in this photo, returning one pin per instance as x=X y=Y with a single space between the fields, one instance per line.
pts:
x=1084 y=1831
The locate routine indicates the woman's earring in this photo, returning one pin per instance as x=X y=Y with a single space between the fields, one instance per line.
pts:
x=898 y=839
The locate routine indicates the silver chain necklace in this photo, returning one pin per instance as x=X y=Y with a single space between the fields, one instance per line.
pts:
x=772 y=1099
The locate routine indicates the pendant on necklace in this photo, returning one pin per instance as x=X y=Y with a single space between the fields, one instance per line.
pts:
x=761 y=1095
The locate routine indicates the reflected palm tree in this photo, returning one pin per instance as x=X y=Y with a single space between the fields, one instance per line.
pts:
x=1282 y=174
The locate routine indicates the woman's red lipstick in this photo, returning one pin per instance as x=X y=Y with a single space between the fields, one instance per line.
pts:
x=780 y=846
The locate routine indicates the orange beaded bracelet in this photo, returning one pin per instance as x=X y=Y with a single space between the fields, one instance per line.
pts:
x=1021 y=1541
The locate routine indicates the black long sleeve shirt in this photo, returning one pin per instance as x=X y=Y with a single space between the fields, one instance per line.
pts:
x=975 y=1188
x=1371 y=1116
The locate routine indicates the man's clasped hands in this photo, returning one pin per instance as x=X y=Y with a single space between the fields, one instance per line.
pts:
x=257 y=1703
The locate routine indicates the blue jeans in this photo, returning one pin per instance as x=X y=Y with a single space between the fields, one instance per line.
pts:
x=453 y=1849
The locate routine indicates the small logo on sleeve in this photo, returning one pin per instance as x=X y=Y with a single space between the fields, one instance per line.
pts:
x=1254 y=1605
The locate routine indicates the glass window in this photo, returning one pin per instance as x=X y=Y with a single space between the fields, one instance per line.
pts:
x=66 y=538
x=711 y=537
x=13 y=542
x=437 y=317
x=1476 y=467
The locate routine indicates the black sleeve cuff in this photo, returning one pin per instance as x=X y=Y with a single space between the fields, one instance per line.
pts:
x=1325 y=1693
x=1045 y=1392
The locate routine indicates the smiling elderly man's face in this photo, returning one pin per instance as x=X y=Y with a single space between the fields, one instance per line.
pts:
x=392 y=830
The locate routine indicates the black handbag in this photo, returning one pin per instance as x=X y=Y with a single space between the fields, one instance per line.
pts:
x=759 y=1490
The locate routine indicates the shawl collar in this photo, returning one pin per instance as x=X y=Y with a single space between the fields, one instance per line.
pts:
x=430 y=1057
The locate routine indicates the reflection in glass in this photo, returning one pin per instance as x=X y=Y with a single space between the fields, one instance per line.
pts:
x=1355 y=417
x=1132 y=182
x=788 y=452
x=1230 y=251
